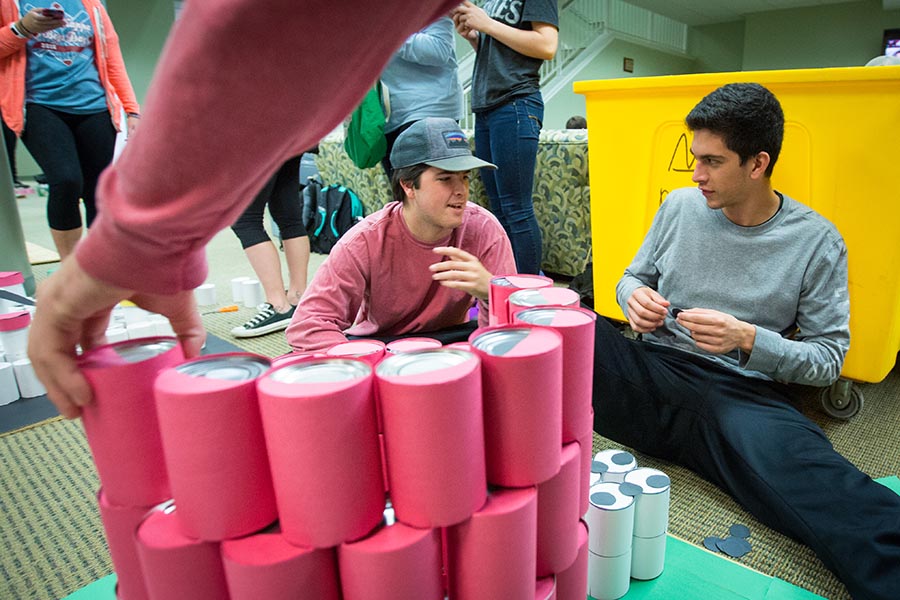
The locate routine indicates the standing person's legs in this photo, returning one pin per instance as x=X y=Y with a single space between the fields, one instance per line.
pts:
x=287 y=211
x=508 y=137
x=51 y=141
x=276 y=313
x=9 y=139
x=95 y=139
x=260 y=250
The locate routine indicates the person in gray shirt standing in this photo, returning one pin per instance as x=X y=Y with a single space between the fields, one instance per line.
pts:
x=738 y=290
x=422 y=80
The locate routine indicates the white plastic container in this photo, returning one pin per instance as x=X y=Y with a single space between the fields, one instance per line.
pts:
x=618 y=462
x=610 y=519
x=648 y=557
x=609 y=577
x=14 y=334
x=252 y=293
x=651 y=510
x=9 y=389
x=205 y=294
x=13 y=282
x=29 y=385
x=237 y=289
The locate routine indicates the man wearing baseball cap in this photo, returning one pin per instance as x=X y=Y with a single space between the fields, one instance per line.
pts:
x=417 y=265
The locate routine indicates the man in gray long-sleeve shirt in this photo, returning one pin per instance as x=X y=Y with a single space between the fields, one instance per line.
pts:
x=737 y=290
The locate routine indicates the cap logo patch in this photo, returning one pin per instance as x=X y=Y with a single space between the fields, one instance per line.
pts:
x=456 y=139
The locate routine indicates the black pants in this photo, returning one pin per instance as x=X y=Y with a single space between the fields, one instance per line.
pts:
x=9 y=139
x=448 y=335
x=72 y=150
x=745 y=436
x=282 y=194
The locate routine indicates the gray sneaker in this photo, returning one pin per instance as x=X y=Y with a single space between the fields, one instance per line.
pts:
x=266 y=321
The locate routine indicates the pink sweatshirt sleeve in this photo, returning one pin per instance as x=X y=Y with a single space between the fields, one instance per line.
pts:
x=241 y=86
x=331 y=302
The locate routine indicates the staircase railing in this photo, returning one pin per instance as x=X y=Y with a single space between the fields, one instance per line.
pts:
x=586 y=28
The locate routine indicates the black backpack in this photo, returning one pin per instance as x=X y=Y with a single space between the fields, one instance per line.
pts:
x=328 y=212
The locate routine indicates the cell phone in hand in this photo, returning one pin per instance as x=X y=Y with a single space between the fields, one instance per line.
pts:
x=53 y=13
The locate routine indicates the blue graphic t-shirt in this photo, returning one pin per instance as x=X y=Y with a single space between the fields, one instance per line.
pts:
x=61 y=72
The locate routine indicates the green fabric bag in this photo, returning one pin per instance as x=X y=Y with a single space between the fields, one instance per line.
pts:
x=364 y=137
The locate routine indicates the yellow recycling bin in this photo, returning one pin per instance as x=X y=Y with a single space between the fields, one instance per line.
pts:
x=840 y=156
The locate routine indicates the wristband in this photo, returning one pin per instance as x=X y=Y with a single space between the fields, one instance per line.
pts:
x=21 y=26
x=133 y=115
x=16 y=31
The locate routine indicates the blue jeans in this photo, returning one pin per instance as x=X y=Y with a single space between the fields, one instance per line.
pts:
x=508 y=137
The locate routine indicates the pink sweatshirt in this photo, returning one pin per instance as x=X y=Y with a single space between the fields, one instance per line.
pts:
x=377 y=279
x=241 y=86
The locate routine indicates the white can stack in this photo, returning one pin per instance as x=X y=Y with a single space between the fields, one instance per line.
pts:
x=651 y=521
x=627 y=518
x=610 y=520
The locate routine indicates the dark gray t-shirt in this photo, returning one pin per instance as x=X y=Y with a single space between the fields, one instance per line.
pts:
x=501 y=73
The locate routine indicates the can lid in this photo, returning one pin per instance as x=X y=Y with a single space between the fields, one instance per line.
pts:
x=501 y=282
x=554 y=316
x=324 y=370
x=15 y=320
x=618 y=461
x=528 y=297
x=652 y=481
x=9 y=278
x=500 y=341
x=607 y=496
x=411 y=344
x=544 y=296
x=234 y=367
x=356 y=348
x=529 y=281
x=422 y=361
x=135 y=351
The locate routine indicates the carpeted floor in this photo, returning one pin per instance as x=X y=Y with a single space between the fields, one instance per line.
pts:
x=51 y=540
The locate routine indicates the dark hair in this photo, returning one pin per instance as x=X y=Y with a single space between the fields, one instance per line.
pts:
x=576 y=122
x=410 y=174
x=747 y=116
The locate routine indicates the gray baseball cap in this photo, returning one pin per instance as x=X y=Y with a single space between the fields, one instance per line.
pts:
x=436 y=142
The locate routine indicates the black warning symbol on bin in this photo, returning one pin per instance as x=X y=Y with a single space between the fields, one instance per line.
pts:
x=682 y=160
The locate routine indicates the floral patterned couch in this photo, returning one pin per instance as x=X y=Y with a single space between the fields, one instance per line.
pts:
x=562 y=200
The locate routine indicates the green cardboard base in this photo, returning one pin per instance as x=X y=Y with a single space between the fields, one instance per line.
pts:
x=690 y=572
x=102 y=589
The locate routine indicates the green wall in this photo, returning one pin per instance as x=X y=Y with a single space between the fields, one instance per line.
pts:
x=838 y=35
x=142 y=28
x=717 y=48
x=608 y=65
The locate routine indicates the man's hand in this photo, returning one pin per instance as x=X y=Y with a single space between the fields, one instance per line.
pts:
x=461 y=272
x=465 y=18
x=717 y=332
x=647 y=310
x=73 y=309
x=131 y=123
